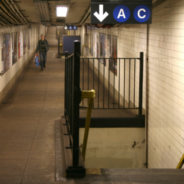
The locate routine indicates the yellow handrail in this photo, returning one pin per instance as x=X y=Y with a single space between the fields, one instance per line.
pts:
x=90 y=95
x=180 y=164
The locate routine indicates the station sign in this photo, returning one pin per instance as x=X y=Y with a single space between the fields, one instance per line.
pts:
x=74 y=27
x=121 y=12
x=71 y=27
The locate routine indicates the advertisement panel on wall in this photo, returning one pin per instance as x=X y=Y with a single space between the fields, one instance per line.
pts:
x=20 y=44
x=96 y=46
x=103 y=47
x=91 y=43
x=5 y=52
x=2 y=50
x=112 y=42
x=89 y=46
x=108 y=46
x=14 y=48
x=24 y=41
x=29 y=39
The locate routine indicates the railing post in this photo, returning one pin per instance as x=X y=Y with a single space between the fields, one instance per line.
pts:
x=66 y=55
x=59 y=47
x=77 y=99
x=141 y=83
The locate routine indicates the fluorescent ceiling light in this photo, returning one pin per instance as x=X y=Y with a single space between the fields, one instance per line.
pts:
x=61 y=11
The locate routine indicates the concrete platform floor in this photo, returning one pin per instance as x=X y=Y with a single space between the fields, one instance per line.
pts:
x=27 y=119
x=27 y=135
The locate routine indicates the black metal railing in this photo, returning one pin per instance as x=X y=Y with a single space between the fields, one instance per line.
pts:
x=118 y=82
x=115 y=89
x=72 y=100
x=69 y=88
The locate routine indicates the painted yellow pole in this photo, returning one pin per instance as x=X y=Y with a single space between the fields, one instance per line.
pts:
x=61 y=46
x=180 y=164
x=90 y=95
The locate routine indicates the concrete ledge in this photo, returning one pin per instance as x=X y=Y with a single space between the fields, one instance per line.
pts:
x=126 y=122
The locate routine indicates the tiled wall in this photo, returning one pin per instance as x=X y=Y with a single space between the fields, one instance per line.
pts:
x=163 y=94
x=166 y=85
x=11 y=74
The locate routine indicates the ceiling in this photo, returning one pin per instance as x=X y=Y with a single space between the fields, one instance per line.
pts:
x=38 y=11
x=16 y=12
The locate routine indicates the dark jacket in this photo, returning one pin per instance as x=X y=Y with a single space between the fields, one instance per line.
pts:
x=39 y=45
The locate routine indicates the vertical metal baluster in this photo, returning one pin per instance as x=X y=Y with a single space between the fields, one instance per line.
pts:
x=119 y=86
x=141 y=83
x=83 y=82
x=114 y=86
x=108 y=84
x=103 y=82
x=88 y=74
x=124 y=82
x=98 y=81
x=93 y=75
x=66 y=55
x=93 y=82
x=81 y=75
x=72 y=97
x=134 y=79
x=76 y=91
x=129 y=81
x=71 y=93
x=66 y=74
x=69 y=90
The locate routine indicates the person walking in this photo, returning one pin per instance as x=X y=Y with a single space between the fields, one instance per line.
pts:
x=43 y=48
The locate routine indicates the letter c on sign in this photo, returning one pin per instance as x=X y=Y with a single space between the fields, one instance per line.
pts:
x=139 y=13
x=142 y=13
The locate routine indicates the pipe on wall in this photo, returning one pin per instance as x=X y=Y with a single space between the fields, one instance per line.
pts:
x=147 y=93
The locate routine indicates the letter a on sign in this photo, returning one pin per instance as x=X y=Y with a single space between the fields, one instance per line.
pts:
x=121 y=14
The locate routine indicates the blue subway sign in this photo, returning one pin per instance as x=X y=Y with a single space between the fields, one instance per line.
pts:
x=66 y=27
x=121 y=12
x=70 y=27
x=74 y=27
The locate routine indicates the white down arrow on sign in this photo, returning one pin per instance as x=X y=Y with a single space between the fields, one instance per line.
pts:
x=101 y=15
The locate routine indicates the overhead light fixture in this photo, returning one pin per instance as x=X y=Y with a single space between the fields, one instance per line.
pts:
x=61 y=11
x=66 y=27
